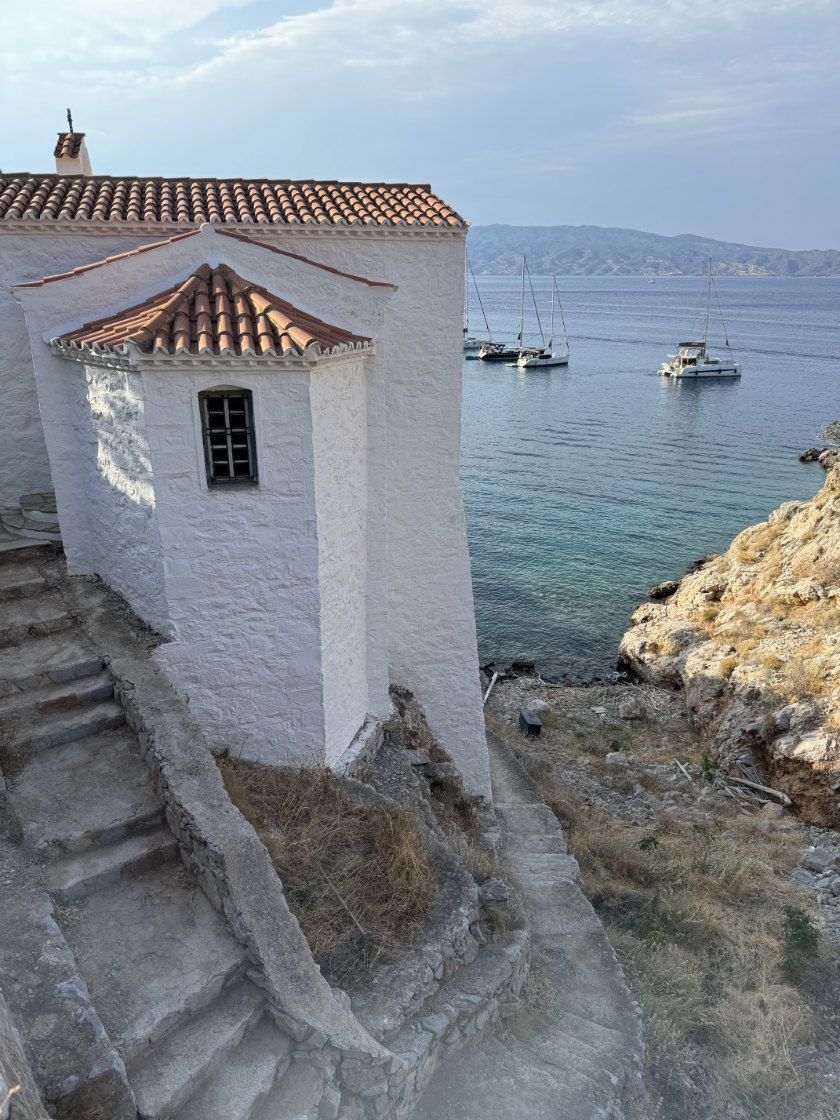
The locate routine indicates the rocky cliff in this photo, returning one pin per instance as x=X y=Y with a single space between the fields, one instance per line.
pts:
x=753 y=636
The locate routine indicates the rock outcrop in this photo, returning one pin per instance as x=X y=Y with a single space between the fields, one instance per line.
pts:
x=754 y=638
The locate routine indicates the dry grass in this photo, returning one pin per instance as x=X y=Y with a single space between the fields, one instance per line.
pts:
x=697 y=922
x=800 y=678
x=728 y=665
x=358 y=879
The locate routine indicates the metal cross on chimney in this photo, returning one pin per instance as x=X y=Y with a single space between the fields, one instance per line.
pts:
x=70 y=120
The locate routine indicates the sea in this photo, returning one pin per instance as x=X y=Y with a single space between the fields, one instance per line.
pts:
x=585 y=485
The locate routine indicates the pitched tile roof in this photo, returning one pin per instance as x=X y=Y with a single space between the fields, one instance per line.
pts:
x=68 y=145
x=214 y=312
x=264 y=202
x=192 y=233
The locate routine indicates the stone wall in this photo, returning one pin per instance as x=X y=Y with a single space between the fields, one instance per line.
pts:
x=15 y=1073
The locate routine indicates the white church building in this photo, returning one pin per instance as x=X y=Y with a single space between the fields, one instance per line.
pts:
x=246 y=395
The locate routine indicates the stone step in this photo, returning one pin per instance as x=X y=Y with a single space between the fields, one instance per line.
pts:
x=70 y=878
x=54 y=729
x=295 y=1095
x=36 y=617
x=40 y=507
x=84 y=794
x=152 y=952
x=42 y=661
x=245 y=1075
x=51 y=698
x=10 y=543
x=17 y=524
x=17 y=581
x=163 y=1079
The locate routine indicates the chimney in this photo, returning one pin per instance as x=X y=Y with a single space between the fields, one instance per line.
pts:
x=71 y=156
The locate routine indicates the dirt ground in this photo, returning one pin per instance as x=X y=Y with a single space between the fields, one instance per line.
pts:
x=696 y=889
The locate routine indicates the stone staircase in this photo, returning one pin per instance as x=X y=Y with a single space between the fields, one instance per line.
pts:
x=33 y=521
x=161 y=969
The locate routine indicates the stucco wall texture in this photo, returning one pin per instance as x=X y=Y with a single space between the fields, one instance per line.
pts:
x=347 y=567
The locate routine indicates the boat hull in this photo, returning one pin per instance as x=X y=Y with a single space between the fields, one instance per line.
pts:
x=538 y=363
x=693 y=373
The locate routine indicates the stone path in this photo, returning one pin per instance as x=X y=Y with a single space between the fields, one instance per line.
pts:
x=130 y=988
x=585 y=1062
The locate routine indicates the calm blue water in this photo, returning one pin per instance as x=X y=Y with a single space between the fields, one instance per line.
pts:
x=584 y=486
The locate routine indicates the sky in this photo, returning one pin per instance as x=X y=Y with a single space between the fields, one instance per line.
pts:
x=714 y=117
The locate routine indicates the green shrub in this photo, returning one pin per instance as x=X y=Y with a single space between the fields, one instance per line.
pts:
x=801 y=942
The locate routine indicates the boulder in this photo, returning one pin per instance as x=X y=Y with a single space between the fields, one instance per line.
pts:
x=820 y=859
x=664 y=589
x=523 y=665
x=538 y=707
x=615 y=759
x=632 y=708
x=807 y=590
x=785 y=511
x=494 y=890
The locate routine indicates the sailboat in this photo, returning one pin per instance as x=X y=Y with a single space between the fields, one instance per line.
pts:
x=547 y=356
x=692 y=359
x=471 y=343
x=499 y=351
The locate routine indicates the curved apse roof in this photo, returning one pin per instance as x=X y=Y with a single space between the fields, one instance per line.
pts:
x=213 y=313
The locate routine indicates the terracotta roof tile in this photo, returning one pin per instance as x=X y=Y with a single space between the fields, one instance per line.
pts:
x=68 y=145
x=103 y=198
x=214 y=312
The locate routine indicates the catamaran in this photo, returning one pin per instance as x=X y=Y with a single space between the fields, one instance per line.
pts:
x=692 y=359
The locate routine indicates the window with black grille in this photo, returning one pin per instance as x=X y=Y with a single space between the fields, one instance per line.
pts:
x=228 y=424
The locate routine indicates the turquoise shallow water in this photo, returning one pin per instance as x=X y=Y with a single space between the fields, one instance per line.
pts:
x=584 y=486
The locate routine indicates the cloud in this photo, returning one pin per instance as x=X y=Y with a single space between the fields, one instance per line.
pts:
x=163 y=39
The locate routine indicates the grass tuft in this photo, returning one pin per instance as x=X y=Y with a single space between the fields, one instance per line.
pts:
x=357 y=878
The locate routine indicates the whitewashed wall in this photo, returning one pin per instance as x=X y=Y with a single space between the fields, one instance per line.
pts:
x=124 y=538
x=242 y=568
x=414 y=402
x=25 y=465
x=431 y=620
x=339 y=432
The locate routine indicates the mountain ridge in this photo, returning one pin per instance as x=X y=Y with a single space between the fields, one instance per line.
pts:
x=613 y=251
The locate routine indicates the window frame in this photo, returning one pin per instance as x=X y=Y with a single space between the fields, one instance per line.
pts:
x=232 y=481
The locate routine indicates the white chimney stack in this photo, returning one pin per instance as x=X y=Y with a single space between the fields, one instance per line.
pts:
x=71 y=155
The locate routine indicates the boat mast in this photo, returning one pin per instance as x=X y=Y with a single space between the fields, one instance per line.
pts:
x=708 y=302
x=478 y=295
x=551 y=325
x=466 y=297
x=522 y=306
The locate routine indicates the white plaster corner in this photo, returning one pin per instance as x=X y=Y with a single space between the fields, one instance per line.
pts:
x=365 y=744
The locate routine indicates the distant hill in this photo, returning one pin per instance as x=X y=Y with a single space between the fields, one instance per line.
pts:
x=600 y=251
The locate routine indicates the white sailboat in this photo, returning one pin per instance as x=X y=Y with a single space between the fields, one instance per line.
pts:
x=692 y=359
x=548 y=356
x=532 y=357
